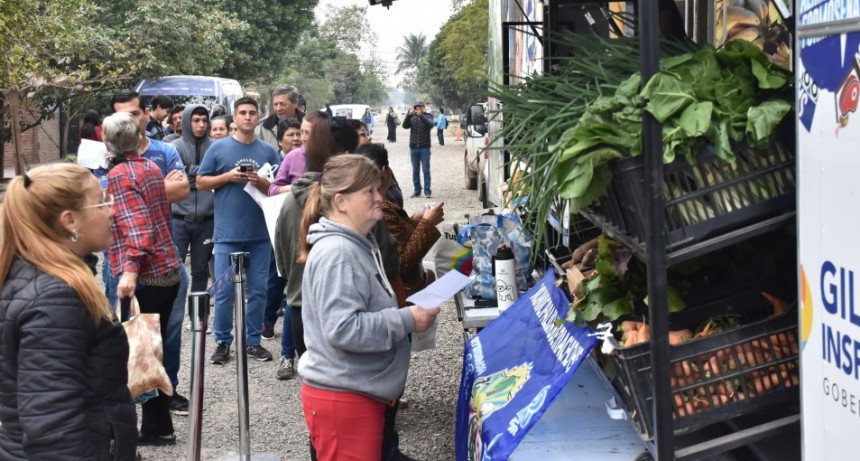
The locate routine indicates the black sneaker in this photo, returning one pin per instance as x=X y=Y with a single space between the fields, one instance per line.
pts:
x=268 y=331
x=286 y=368
x=428 y=196
x=221 y=354
x=415 y=195
x=156 y=440
x=258 y=353
x=179 y=405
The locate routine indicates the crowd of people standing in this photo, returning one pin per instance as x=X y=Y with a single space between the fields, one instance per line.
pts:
x=344 y=258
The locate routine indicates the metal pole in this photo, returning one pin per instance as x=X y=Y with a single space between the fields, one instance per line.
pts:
x=198 y=314
x=649 y=36
x=239 y=262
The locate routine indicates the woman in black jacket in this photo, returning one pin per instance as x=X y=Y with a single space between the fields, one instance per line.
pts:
x=63 y=355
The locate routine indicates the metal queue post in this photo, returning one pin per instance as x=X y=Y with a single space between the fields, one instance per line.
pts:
x=198 y=313
x=239 y=263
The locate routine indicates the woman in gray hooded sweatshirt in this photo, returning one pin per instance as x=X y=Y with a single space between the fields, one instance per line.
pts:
x=357 y=339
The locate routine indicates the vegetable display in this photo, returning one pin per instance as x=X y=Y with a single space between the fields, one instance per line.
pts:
x=717 y=98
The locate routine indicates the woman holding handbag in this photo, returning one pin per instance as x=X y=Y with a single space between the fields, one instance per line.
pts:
x=142 y=254
x=63 y=355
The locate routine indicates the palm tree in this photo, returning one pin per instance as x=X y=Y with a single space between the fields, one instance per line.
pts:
x=412 y=52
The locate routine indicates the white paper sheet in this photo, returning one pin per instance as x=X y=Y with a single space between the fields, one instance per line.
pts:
x=271 y=209
x=267 y=171
x=92 y=154
x=440 y=291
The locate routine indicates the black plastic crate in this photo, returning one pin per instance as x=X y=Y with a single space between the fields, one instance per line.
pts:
x=718 y=377
x=704 y=199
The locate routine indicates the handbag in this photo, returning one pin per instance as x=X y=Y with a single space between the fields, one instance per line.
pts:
x=145 y=368
x=449 y=253
x=491 y=232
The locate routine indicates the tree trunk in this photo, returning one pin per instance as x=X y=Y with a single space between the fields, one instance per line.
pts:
x=64 y=128
x=2 y=140
x=14 y=100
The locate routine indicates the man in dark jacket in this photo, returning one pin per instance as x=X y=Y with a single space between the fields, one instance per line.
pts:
x=285 y=101
x=193 y=218
x=419 y=123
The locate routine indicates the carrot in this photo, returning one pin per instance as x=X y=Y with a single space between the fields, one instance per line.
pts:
x=631 y=338
x=580 y=251
x=779 y=306
x=630 y=325
x=680 y=336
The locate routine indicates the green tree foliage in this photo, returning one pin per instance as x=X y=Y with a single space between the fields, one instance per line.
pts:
x=411 y=53
x=455 y=71
x=258 y=53
x=55 y=46
x=326 y=66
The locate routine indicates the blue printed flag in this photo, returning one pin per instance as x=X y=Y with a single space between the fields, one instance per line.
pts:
x=514 y=369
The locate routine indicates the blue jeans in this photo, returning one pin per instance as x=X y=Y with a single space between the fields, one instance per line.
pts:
x=420 y=157
x=257 y=279
x=173 y=336
x=110 y=285
x=276 y=297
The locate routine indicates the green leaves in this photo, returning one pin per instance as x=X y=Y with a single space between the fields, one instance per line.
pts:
x=763 y=119
x=666 y=95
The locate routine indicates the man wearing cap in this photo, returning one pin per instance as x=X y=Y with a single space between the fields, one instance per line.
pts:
x=419 y=125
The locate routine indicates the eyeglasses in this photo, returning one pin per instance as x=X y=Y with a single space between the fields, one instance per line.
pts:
x=364 y=133
x=107 y=200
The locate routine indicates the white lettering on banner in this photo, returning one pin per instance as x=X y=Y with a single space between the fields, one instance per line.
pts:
x=565 y=347
x=478 y=356
x=817 y=12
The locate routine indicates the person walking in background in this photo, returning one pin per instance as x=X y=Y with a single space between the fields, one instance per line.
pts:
x=142 y=254
x=367 y=118
x=63 y=354
x=91 y=128
x=441 y=123
x=228 y=166
x=391 y=121
x=357 y=338
x=159 y=109
x=285 y=101
x=419 y=123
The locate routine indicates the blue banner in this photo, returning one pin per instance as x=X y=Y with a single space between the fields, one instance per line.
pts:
x=514 y=369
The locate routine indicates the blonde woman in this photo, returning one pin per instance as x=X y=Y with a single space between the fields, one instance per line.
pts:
x=63 y=355
x=357 y=339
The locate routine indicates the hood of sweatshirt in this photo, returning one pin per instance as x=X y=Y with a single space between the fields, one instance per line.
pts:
x=191 y=150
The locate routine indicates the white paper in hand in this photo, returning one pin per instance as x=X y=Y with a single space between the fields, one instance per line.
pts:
x=440 y=291
x=267 y=172
x=92 y=154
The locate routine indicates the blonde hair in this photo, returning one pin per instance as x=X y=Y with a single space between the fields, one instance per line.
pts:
x=30 y=229
x=342 y=174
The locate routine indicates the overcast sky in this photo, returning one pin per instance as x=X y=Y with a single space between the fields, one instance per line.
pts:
x=402 y=18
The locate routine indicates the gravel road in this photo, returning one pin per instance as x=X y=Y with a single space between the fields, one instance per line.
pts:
x=277 y=425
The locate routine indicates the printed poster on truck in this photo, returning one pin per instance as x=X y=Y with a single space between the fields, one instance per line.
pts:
x=828 y=132
x=514 y=369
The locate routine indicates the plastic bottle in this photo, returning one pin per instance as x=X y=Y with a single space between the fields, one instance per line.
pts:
x=506 y=277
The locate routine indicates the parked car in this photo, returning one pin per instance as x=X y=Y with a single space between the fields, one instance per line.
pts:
x=474 y=126
x=350 y=110
x=192 y=89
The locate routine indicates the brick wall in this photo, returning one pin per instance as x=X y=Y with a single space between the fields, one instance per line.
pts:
x=38 y=145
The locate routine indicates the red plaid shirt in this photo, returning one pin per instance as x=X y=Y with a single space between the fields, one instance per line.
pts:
x=141 y=227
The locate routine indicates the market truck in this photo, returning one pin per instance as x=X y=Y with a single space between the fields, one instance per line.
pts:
x=779 y=380
x=828 y=128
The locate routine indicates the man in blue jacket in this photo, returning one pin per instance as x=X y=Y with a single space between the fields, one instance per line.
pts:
x=419 y=125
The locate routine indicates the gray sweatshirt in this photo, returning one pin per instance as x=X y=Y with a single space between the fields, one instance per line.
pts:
x=355 y=334
x=200 y=204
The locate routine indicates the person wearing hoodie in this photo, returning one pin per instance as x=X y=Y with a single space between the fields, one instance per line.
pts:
x=194 y=218
x=324 y=138
x=357 y=338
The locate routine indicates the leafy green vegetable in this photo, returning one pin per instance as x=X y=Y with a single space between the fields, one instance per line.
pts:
x=763 y=119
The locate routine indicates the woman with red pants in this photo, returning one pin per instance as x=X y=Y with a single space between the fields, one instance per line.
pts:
x=357 y=339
